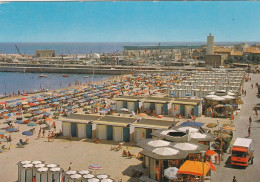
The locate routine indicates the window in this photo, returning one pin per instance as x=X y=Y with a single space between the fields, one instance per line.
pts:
x=239 y=154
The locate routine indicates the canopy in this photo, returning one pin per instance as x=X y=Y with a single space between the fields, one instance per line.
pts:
x=192 y=123
x=165 y=151
x=158 y=143
x=193 y=168
x=186 y=146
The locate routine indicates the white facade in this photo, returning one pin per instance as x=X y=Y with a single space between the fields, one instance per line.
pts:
x=66 y=128
x=139 y=134
x=102 y=132
x=117 y=134
x=81 y=130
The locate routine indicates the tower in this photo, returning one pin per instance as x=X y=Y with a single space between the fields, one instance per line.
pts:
x=210 y=45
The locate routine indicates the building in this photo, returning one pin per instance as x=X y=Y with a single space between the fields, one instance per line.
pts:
x=44 y=53
x=210 y=45
x=214 y=60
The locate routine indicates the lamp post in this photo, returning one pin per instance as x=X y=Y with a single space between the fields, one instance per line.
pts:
x=202 y=155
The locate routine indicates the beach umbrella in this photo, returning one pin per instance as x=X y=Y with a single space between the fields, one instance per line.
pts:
x=93 y=180
x=107 y=180
x=210 y=152
x=95 y=167
x=19 y=121
x=186 y=146
x=158 y=143
x=27 y=115
x=31 y=124
x=46 y=114
x=27 y=133
x=36 y=162
x=12 y=129
x=228 y=124
x=71 y=172
x=83 y=172
x=124 y=109
x=88 y=176
x=2 y=132
x=142 y=115
x=171 y=173
x=211 y=125
x=102 y=176
x=75 y=176
x=228 y=128
x=55 y=169
x=165 y=151
x=43 y=169
x=223 y=136
x=39 y=165
x=52 y=165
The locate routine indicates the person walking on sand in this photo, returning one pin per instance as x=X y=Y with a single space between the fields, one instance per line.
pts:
x=250 y=121
x=43 y=133
x=234 y=179
x=249 y=131
x=256 y=113
x=39 y=133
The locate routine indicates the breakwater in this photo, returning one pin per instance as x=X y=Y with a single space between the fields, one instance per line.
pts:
x=88 y=69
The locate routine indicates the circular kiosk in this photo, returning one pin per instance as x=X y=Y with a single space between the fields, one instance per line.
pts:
x=27 y=173
x=55 y=173
x=68 y=174
x=75 y=178
x=20 y=166
x=37 y=166
x=42 y=174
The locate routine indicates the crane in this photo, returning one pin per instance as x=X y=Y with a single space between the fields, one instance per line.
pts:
x=18 y=50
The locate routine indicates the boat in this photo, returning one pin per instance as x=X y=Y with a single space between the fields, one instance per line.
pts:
x=65 y=75
x=86 y=76
x=43 y=76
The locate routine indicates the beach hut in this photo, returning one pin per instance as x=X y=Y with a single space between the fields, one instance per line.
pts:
x=114 y=128
x=55 y=173
x=42 y=174
x=25 y=172
x=37 y=166
x=144 y=127
x=79 y=125
x=132 y=103
x=20 y=167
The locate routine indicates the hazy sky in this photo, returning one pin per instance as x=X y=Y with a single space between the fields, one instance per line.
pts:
x=129 y=21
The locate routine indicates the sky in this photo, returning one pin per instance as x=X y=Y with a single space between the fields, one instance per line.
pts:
x=129 y=21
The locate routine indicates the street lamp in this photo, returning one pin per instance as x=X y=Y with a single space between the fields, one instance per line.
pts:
x=202 y=155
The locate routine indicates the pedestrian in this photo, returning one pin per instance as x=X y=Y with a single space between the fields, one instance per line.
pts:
x=249 y=131
x=252 y=157
x=256 y=113
x=252 y=86
x=43 y=133
x=49 y=136
x=250 y=121
x=234 y=179
x=39 y=133
x=219 y=158
x=245 y=92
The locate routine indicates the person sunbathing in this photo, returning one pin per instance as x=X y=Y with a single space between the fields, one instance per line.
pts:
x=130 y=155
x=97 y=141
x=124 y=153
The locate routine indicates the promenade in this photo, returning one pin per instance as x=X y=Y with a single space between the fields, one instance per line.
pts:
x=225 y=173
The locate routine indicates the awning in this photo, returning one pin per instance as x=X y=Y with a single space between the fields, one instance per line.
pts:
x=193 y=168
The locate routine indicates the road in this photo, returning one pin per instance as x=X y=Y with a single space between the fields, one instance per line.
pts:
x=252 y=172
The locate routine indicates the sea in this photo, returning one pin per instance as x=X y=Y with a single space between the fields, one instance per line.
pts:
x=12 y=82
x=89 y=47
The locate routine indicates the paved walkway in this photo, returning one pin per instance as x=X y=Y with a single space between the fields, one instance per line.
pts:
x=252 y=172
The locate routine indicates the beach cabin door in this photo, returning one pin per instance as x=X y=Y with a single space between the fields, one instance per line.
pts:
x=89 y=131
x=196 y=111
x=152 y=105
x=73 y=129
x=148 y=133
x=165 y=109
x=109 y=132
x=182 y=111
x=126 y=134
x=136 y=106
x=124 y=104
